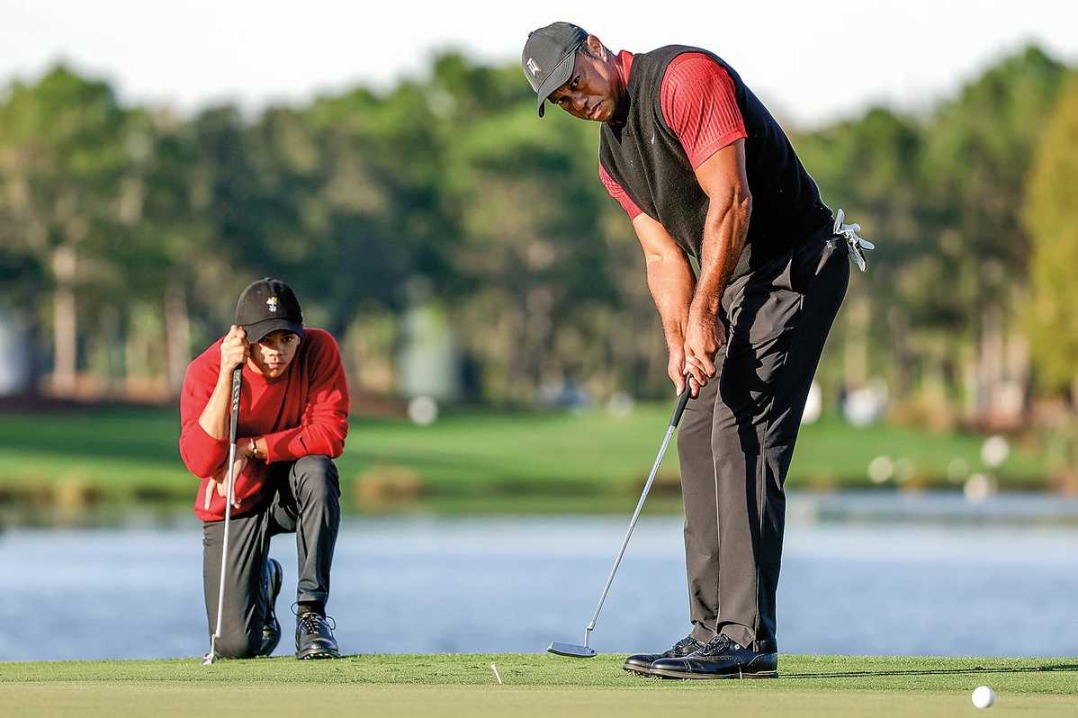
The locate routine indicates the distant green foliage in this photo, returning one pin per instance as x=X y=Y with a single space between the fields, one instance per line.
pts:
x=447 y=188
x=62 y=162
x=1051 y=217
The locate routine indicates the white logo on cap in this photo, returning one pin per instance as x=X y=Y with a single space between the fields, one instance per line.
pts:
x=272 y=304
x=534 y=66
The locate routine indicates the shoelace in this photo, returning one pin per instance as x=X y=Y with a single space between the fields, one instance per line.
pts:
x=687 y=641
x=719 y=644
x=854 y=244
x=312 y=622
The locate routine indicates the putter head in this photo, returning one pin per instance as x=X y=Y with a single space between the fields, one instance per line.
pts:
x=207 y=659
x=571 y=650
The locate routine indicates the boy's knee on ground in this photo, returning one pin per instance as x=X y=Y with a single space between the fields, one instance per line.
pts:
x=239 y=645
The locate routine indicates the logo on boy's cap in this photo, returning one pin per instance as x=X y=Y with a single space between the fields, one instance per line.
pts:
x=533 y=66
x=268 y=305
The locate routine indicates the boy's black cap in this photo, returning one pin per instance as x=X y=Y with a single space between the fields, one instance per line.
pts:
x=550 y=56
x=266 y=306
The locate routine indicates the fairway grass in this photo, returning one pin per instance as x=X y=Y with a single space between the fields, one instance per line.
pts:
x=534 y=685
x=468 y=461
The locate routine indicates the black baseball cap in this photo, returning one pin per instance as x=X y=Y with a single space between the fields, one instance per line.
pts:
x=267 y=306
x=550 y=56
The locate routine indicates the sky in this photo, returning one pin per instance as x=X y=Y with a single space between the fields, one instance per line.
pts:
x=812 y=63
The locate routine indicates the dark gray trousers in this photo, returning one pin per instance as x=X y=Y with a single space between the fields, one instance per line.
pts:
x=306 y=502
x=737 y=438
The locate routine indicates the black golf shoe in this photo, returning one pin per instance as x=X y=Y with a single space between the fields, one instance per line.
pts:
x=272 y=576
x=641 y=662
x=314 y=637
x=722 y=658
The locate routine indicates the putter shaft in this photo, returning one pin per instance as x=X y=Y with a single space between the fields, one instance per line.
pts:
x=675 y=419
x=233 y=424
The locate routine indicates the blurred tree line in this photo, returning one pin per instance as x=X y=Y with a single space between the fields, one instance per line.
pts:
x=127 y=232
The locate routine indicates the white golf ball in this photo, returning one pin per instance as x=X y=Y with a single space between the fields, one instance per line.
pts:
x=983 y=696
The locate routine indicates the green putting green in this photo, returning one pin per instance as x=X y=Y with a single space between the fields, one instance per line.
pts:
x=533 y=685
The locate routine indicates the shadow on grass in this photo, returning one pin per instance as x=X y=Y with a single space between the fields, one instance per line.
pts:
x=1066 y=667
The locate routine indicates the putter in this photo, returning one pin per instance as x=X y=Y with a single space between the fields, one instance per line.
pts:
x=237 y=382
x=585 y=651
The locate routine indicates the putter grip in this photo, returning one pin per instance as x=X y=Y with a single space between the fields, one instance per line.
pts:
x=680 y=408
x=233 y=420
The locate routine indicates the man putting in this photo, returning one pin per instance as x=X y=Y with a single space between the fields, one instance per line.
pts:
x=293 y=419
x=692 y=155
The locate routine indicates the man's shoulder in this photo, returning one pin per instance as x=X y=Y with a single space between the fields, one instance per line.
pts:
x=671 y=51
x=695 y=58
x=693 y=69
x=651 y=67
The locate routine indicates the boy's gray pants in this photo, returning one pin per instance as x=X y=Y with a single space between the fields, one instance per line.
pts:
x=307 y=502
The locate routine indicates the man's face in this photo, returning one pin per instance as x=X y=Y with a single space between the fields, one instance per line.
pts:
x=274 y=352
x=595 y=91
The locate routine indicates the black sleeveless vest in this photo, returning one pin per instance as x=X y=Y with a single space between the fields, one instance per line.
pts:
x=647 y=160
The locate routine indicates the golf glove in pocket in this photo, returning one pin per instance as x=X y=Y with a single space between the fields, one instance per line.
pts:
x=854 y=243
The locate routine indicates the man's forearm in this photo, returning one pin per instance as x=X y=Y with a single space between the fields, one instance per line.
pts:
x=725 y=230
x=671 y=283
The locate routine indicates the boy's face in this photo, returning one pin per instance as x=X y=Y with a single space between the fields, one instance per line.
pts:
x=274 y=352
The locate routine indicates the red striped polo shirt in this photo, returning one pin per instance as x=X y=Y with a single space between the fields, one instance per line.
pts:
x=698 y=105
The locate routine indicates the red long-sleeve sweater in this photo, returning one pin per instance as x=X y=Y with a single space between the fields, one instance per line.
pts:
x=302 y=412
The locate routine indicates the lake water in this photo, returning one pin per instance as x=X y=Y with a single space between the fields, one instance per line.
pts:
x=861 y=575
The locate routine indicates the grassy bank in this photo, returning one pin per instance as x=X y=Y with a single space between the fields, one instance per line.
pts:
x=550 y=461
x=534 y=685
